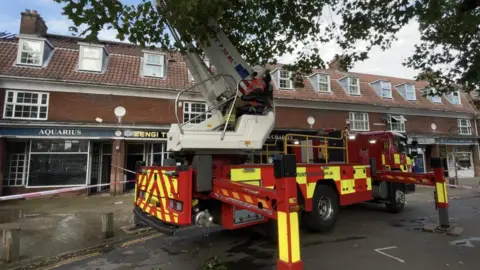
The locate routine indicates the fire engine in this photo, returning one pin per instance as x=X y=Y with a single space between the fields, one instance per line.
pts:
x=209 y=180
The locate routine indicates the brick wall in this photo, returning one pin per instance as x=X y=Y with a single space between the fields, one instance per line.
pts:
x=77 y=107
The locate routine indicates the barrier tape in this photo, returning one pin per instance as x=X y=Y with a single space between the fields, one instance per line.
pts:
x=62 y=190
x=461 y=186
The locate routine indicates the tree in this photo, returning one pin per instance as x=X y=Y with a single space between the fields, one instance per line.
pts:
x=264 y=29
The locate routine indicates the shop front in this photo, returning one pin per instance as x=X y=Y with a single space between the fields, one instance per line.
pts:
x=57 y=157
x=459 y=155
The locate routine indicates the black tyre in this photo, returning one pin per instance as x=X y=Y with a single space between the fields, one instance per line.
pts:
x=396 y=198
x=325 y=208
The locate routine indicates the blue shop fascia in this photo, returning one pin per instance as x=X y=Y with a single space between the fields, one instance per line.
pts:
x=64 y=156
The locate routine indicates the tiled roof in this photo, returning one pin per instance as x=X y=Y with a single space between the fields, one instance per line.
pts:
x=124 y=66
x=368 y=94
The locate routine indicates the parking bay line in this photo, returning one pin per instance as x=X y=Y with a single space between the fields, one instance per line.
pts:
x=379 y=250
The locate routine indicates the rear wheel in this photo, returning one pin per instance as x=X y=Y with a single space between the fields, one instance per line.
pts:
x=396 y=201
x=325 y=207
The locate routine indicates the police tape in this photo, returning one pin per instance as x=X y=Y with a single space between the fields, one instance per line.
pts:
x=57 y=191
x=461 y=186
x=63 y=190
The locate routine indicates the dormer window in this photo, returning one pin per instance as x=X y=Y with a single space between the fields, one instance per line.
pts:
x=154 y=65
x=321 y=83
x=386 y=89
x=454 y=97
x=407 y=91
x=410 y=92
x=383 y=88
x=353 y=86
x=432 y=95
x=284 y=80
x=33 y=51
x=92 y=57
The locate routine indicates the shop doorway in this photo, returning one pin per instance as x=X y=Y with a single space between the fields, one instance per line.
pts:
x=135 y=152
x=101 y=163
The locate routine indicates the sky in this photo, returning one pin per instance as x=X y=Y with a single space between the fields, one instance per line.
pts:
x=388 y=63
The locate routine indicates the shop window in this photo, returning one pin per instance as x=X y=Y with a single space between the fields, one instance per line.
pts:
x=359 y=121
x=58 y=163
x=25 y=105
x=15 y=165
x=159 y=154
x=464 y=127
x=195 y=112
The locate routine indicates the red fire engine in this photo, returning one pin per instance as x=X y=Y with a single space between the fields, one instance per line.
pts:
x=208 y=180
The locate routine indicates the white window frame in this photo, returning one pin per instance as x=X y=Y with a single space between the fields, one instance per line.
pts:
x=382 y=88
x=82 y=56
x=353 y=122
x=327 y=83
x=356 y=86
x=452 y=97
x=464 y=128
x=162 y=65
x=14 y=104
x=436 y=98
x=287 y=79
x=407 y=89
x=398 y=125
x=20 y=50
x=208 y=115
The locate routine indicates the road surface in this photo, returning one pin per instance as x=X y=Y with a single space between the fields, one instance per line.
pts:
x=366 y=237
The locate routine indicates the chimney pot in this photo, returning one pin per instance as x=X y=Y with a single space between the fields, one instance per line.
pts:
x=34 y=11
x=27 y=11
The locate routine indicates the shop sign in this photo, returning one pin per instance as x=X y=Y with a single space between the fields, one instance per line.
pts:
x=144 y=134
x=456 y=141
x=422 y=140
x=59 y=132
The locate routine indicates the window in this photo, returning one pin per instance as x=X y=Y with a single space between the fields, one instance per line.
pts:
x=397 y=123
x=15 y=167
x=154 y=65
x=323 y=83
x=58 y=163
x=195 y=111
x=91 y=58
x=353 y=86
x=435 y=98
x=31 y=52
x=410 y=92
x=386 y=89
x=464 y=127
x=25 y=105
x=454 y=97
x=285 y=81
x=359 y=121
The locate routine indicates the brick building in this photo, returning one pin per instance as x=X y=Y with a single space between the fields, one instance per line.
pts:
x=58 y=95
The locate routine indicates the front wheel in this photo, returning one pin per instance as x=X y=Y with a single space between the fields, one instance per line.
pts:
x=325 y=208
x=396 y=199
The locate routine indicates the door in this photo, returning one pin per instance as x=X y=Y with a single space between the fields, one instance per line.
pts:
x=419 y=163
x=135 y=152
x=95 y=165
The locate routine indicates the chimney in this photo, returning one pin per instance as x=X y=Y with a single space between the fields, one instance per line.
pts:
x=32 y=23
x=335 y=64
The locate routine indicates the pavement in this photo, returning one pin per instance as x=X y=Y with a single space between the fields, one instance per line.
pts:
x=56 y=225
x=365 y=237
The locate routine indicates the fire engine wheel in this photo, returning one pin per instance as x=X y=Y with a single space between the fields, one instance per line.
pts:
x=325 y=207
x=397 y=199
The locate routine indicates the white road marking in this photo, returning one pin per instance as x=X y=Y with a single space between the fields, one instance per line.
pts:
x=379 y=250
